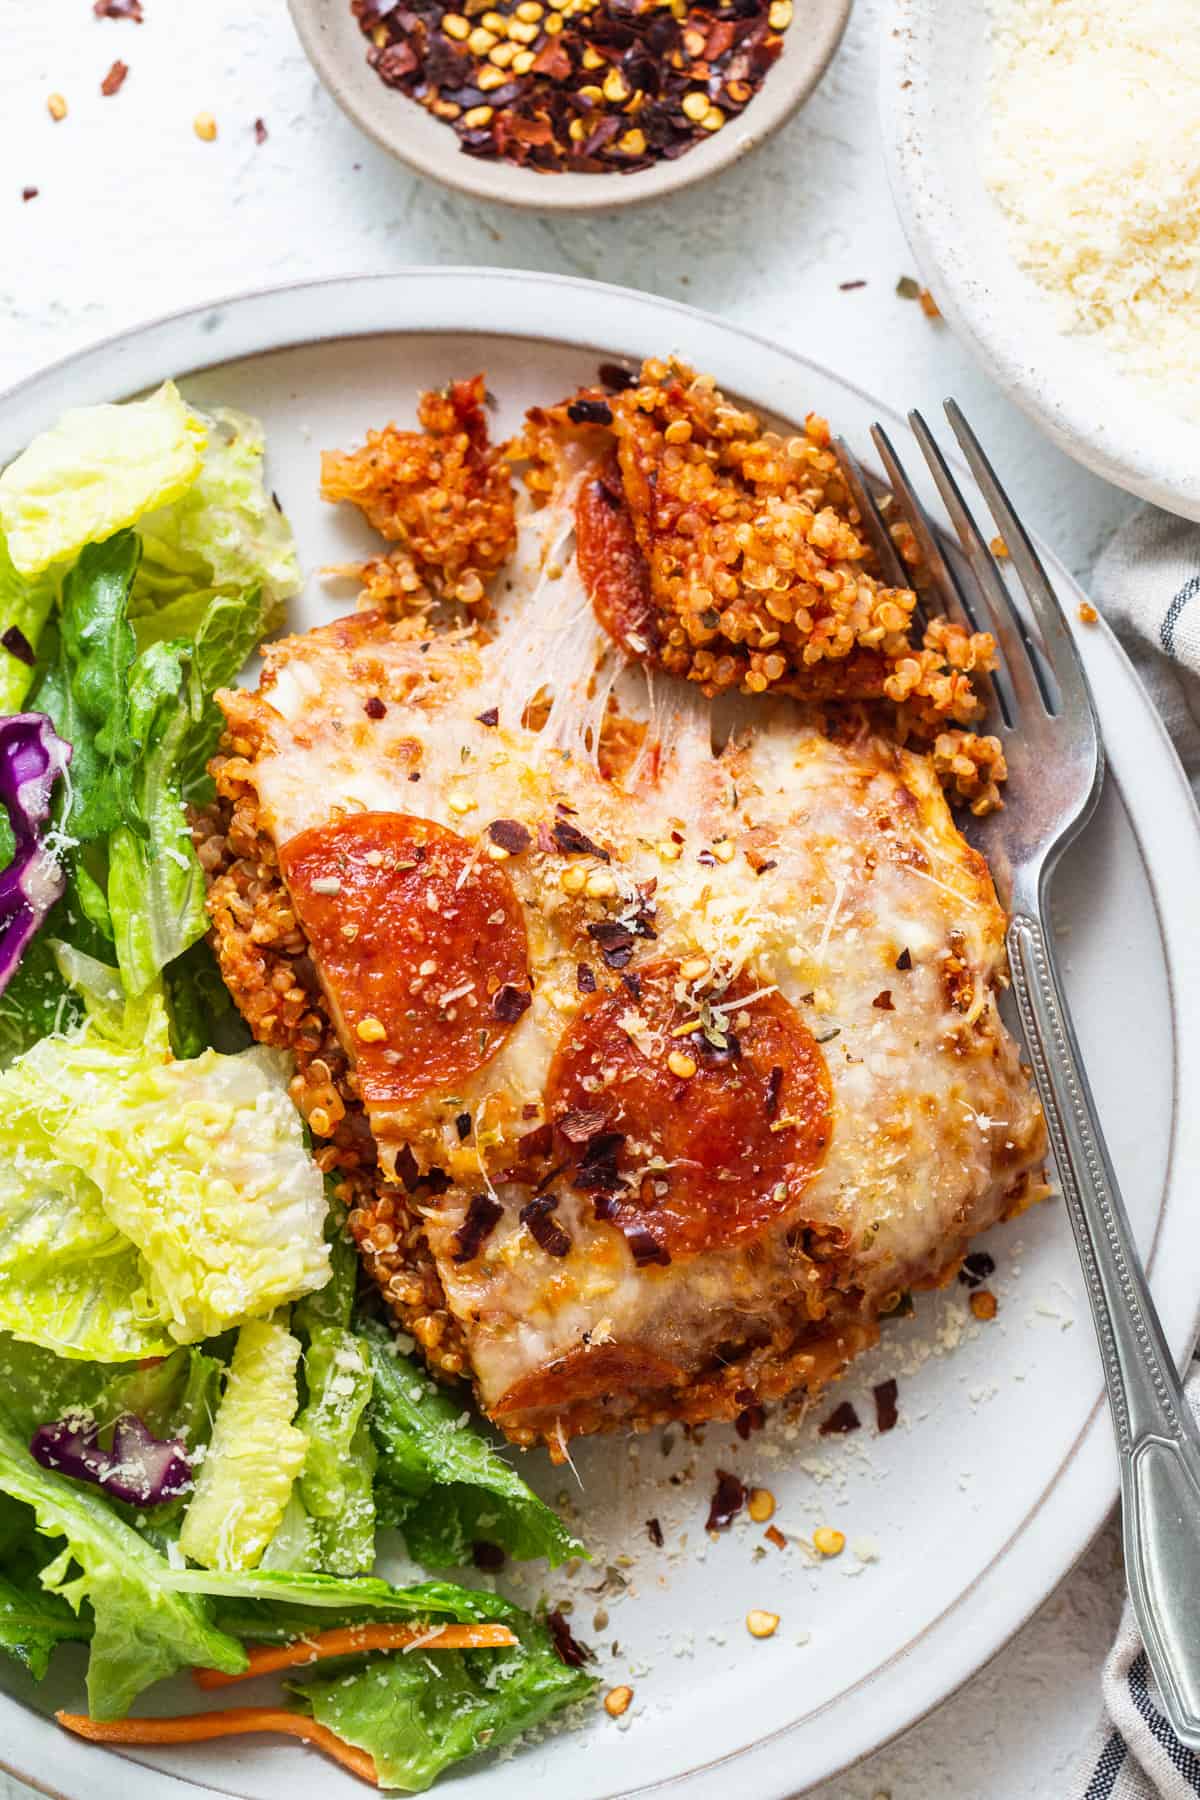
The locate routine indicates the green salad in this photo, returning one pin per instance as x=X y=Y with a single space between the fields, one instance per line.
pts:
x=202 y=1431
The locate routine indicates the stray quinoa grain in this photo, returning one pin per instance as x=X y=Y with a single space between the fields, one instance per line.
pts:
x=762 y=1624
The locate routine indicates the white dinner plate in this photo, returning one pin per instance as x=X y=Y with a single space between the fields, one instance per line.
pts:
x=960 y=1521
x=933 y=74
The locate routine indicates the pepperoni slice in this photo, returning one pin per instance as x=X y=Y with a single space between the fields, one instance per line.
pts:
x=697 y=1162
x=611 y=565
x=420 y=944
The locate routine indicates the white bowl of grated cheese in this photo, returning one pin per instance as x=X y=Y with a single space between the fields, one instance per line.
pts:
x=1046 y=164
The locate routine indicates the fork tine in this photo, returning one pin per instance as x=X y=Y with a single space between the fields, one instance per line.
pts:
x=1004 y=621
x=950 y=594
x=891 y=568
x=1061 y=653
x=954 y=602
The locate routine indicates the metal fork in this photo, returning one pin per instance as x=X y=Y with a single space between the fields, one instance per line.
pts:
x=1042 y=709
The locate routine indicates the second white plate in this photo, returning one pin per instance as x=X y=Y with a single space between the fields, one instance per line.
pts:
x=934 y=60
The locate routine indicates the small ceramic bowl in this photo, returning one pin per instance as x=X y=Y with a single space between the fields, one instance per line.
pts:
x=338 y=49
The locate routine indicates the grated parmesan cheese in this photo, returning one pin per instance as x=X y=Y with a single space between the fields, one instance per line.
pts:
x=1094 y=155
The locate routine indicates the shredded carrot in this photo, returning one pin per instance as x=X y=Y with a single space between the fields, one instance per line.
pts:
x=234 y=1721
x=353 y=1640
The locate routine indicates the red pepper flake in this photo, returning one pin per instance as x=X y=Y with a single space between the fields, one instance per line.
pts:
x=567 y=1647
x=374 y=707
x=483 y=1216
x=976 y=1268
x=545 y=1231
x=585 y=978
x=462 y=1125
x=115 y=79
x=750 y=1419
x=260 y=131
x=616 y=379
x=486 y=1555
x=654 y=1532
x=589 y=412
x=510 y=835
x=582 y=1124
x=883 y=1002
x=646 y=1249
x=842 y=1420
x=573 y=842
x=14 y=639
x=29 y=193
x=887 y=1410
x=728 y=1499
x=490 y=717
x=774 y=1536
x=774 y=1088
x=904 y=961
x=509 y=1002
x=615 y=941
x=119 y=9
x=848 y=286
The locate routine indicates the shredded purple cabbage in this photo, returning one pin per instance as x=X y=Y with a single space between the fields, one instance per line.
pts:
x=140 y=1468
x=32 y=758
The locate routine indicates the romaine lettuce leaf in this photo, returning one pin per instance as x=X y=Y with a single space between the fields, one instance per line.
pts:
x=25 y=606
x=255 y=1454
x=69 y=1279
x=144 y=1627
x=203 y=1015
x=174 y=1397
x=226 y=533
x=337 y=1481
x=202 y=1165
x=155 y=882
x=417 y=1715
x=86 y=683
x=269 y=1604
x=33 y=1622
x=146 y=1202
x=453 y=1487
x=99 y=469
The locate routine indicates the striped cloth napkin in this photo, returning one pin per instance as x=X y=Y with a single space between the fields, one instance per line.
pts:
x=1147 y=585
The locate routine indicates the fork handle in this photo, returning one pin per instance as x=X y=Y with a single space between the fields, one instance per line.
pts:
x=1158 y=1444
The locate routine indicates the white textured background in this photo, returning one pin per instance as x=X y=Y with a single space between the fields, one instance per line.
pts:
x=135 y=217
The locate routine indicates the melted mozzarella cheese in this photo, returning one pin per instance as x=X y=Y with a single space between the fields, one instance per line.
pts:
x=801 y=865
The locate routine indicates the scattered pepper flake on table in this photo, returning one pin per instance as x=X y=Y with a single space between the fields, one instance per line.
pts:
x=119 y=9
x=114 y=81
x=29 y=193
x=260 y=132
x=584 y=86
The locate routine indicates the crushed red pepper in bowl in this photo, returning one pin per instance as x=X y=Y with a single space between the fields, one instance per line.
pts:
x=577 y=86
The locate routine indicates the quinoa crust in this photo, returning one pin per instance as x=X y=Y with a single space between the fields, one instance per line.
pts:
x=265 y=962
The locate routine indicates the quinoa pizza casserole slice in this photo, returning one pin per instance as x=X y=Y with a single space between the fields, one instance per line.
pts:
x=600 y=874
